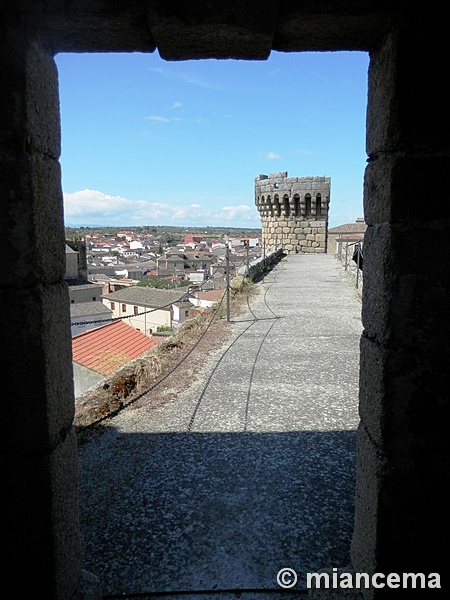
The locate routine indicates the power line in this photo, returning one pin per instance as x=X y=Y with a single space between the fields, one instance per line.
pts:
x=146 y=312
x=161 y=379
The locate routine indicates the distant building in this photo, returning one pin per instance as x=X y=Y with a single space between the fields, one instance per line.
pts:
x=351 y=232
x=206 y=299
x=86 y=308
x=176 y=261
x=88 y=315
x=251 y=242
x=181 y=312
x=144 y=308
x=192 y=239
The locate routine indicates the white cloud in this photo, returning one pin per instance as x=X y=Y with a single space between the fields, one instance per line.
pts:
x=92 y=206
x=194 y=79
x=271 y=155
x=93 y=202
x=177 y=105
x=157 y=119
x=230 y=213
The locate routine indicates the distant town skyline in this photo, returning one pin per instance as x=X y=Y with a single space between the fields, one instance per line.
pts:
x=149 y=142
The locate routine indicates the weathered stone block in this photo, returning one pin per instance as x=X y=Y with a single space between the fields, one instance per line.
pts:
x=43 y=506
x=369 y=469
x=400 y=401
x=29 y=104
x=392 y=495
x=43 y=400
x=33 y=218
x=409 y=121
x=389 y=180
x=401 y=284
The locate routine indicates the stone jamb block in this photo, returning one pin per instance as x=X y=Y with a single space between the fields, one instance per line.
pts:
x=44 y=399
x=390 y=179
x=400 y=285
x=33 y=215
x=44 y=514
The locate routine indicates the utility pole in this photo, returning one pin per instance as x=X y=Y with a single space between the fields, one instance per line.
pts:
x=248 y=261
x=227 y=263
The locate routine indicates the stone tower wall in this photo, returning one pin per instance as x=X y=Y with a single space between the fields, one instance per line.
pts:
x=294 y=212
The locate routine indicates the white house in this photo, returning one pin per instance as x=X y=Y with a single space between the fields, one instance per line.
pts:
x=205 y=299
x=85 y=316
x=181 y=312
x=196 y=276
x=144 y=308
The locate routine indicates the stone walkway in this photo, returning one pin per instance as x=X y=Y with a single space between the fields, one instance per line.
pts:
x=252 y=468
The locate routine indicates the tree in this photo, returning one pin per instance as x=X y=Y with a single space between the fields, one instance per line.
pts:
x=155 y=282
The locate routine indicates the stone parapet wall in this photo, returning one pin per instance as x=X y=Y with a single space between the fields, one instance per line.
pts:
x=257 y=266
x=294 y=212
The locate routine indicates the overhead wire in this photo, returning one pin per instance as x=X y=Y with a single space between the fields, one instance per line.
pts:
x=207 y=383
x=163 y=377
x=238 y=592
x=146 y=312
x=182 y=360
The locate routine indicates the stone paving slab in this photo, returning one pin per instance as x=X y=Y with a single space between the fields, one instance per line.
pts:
x=250 y=470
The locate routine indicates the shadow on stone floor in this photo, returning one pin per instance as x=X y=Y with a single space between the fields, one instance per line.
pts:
x=195 y=511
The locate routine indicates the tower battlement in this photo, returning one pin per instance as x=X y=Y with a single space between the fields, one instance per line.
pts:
x=294 y=211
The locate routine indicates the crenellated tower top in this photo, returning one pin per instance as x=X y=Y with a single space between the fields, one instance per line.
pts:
x=294 y=211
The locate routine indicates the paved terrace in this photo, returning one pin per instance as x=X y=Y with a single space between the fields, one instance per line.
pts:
x=252 y=469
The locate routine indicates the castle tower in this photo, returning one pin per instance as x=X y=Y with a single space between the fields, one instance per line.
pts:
x=294 y=212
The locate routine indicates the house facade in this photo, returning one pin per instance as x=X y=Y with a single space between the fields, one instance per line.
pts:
x=349 y=232
x=144 y=308
x=88 y=315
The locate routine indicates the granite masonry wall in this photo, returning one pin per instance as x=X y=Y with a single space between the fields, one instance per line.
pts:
x=294 y=212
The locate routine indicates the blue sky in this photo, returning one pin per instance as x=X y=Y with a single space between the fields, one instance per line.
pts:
x=151 y=142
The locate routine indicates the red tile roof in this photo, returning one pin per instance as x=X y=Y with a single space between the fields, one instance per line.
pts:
x=108 y=348
x=212 y=295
